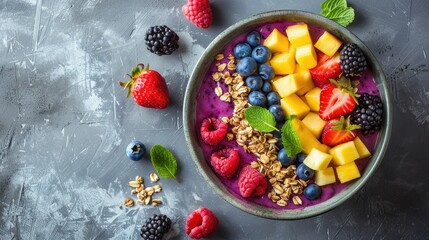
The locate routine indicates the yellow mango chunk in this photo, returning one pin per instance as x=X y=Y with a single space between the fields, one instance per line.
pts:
x=293 y=105
x=325 y=176
x=287 y=85
x=328 y=44
x=347 y=172
x=298 y=35
x=277 y=42
x=283 y=63
x=307 y=139
x=314 y=123
x=313 y=99
x=361 y=148
x=344 y=153
x=305 y=77
x=306 y=56
x=317 y=160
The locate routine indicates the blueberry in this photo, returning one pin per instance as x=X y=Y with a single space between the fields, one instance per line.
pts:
x=266 y=72
x=254 y=38
x=278 y=113
x=278 y=135
x=301 y=157
x=135 y=150
x=303 y=172
x=261 y=54
x=254 y=82
x=256 y=98
x=312 y=191
x=246 y=66
x=273 y=98
x=242 y=50
x=284 y=159
x=266 y=87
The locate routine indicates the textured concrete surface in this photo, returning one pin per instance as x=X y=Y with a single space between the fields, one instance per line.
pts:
x=64 y=122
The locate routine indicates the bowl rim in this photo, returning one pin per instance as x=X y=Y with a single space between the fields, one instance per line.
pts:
x=199 y=73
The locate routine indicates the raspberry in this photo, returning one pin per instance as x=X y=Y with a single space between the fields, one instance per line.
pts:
x=225 y=162
x=213 y=130
x=198 y=12
x=201 y=223
x=251 y=182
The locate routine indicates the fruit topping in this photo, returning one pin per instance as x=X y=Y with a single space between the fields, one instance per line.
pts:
x=148 y=88
x=326 y=68
x=261 y=54
x=135 y=150
x=246 y=66
x=198 y=12
x=284 y=159
x=266 y=87
x=161 y=40
x=266 y=72
x=368 y=114
x=155 y=227
x=303 y=172
x=254 y=82
x=254 y=38
x=242 y=50
x=273 y=98
x=201 y=223
x=225 y=162
x=339 y=131
x=213 y=130
x=300 y=157
x=257 y=98
x=353 y=61
x=251 y=182
x=312 y=191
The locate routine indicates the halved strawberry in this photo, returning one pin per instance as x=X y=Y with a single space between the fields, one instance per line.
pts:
x=339 y=131
x=327 y=68
x=337 y=99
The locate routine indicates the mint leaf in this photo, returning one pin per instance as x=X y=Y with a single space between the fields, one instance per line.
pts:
x=338 y=11
x=163 y=161
x=260 y=119
x=290 y=139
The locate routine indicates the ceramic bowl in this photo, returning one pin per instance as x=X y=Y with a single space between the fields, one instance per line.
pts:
x=189 y=114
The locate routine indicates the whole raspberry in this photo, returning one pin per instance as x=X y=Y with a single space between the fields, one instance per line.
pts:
x=201 y=223
x=198 y=12
x=213 y=130
x=251 y=182
x=225 y=162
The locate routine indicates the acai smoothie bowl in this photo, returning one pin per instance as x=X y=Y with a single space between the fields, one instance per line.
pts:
x=287 y=115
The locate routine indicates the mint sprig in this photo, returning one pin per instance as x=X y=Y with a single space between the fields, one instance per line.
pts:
x=290 y=139
x=260 y=119
x=163 y=161
x=338 y=11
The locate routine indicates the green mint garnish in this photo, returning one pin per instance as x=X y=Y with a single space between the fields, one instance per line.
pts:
x=290 y=139
x=260 y=119
x=338 y=11
x=163 y=161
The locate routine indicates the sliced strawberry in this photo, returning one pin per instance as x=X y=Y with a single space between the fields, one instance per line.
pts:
x=339 y=131
x=327 y=68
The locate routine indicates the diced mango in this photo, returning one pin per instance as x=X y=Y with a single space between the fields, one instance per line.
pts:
x=347 y=172
x=277 y=42
x=317 y=160
x=307 y=139
x=361 y=148
x=293 y=105
x=287 y=85
x=344 y=153
x=283 y=63
x=325 y=176
x=313 y=99
x=306 y=56
x=305 y=77
x=298 y=35
x=328 y=44
x=314 y=123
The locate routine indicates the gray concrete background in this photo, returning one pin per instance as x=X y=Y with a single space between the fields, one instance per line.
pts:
x=65 y=123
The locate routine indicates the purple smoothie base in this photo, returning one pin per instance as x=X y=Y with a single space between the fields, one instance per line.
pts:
x=209 y=105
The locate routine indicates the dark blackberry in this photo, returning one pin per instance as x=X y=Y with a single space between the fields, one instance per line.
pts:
x=368 y=114
x=161 y=40
x=155 y=227
x=353 y=61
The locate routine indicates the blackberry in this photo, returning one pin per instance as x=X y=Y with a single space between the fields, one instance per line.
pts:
x=368 y=114
x=353 y=61
x=155 y=227
x=161 y=40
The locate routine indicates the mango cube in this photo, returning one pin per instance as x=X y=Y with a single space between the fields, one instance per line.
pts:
x=299 y=35
x=317 y=160
x=313 y=99
x=328 y=44
x=293 y=105
x=344 y=153
x=361 y=148
x=277 y=42
x=287 y=85
x=314 y=123
x=325 y=176
x=306 y=56
x=347 y=172
x=305 y=78
x=307 y=139
x=283 y=63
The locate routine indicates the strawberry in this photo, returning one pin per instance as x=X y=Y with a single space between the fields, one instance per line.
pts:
x=327 y=68
x=198 y=12
x=148 y=88
x=337 y=98
x=339 y=131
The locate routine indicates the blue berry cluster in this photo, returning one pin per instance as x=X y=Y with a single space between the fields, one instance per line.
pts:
x=252 y=66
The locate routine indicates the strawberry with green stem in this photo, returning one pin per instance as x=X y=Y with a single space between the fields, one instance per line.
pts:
x=339 y=131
